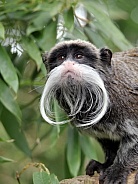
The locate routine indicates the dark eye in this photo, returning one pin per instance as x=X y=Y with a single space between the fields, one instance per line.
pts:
x=61 y=58
x=78 y=56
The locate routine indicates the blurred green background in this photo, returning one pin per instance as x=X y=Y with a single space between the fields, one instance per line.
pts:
x=28 y=28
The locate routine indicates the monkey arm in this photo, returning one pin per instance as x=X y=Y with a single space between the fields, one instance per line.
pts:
x=110 y=149
x=125 y=162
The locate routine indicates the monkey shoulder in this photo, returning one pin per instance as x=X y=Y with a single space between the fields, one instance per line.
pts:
x=125 y=67
x=125 y=78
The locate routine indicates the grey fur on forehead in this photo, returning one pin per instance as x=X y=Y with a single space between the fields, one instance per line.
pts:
x=78 y=42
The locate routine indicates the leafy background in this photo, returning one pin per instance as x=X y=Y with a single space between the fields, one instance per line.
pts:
x=28 y=28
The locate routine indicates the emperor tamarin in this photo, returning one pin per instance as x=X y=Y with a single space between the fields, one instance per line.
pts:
x=99 y=93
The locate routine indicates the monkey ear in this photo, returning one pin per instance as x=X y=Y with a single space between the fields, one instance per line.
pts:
x=44 y=57
x=106 y=55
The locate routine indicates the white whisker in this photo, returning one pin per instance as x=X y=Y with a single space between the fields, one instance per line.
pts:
x=75 y=94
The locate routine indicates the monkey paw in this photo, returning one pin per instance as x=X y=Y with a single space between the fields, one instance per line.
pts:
x=94 y=166
x=114 y=175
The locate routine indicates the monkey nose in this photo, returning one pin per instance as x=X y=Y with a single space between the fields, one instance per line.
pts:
x=69 y=67
x=68 y=63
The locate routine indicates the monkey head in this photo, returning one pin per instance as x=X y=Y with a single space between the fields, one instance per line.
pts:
x=76 y=79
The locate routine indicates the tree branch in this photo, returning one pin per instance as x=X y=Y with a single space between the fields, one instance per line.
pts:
x=84 y=179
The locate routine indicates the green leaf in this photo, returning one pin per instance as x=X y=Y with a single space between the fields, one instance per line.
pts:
x=69 y=19
x=54 y=135
x=66 y=166
x=4 y=160
x=44 y=178
x=48 y=37
x=94 y=37
x=39 y=22
x=7 y=70
x=8 y=100
x=73 y=151
x=88 y=148
x=1 y=108
x=2 y=31
x=59 y=113
x=91 y=148
x=48 y=10
x=43 y=69
x=20 y=63
x=31 y=48
x=78 y=33
x=14 y=130
x=54 y=179
x=105 y=26
x=41 y=178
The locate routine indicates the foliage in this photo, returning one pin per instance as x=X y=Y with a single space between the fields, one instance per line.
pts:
x=28 y=28
x=41 y=177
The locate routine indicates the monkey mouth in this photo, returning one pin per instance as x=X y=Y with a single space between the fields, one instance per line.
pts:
x=70 y=74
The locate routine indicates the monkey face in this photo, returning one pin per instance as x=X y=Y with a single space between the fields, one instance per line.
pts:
x=74 y=81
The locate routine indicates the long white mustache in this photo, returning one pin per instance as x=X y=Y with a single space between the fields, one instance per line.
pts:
x=84 y=75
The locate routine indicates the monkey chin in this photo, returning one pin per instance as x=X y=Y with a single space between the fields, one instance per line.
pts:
x=78 y=87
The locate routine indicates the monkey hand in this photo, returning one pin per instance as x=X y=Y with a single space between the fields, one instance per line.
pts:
x=94 y=166
x=114 y=175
